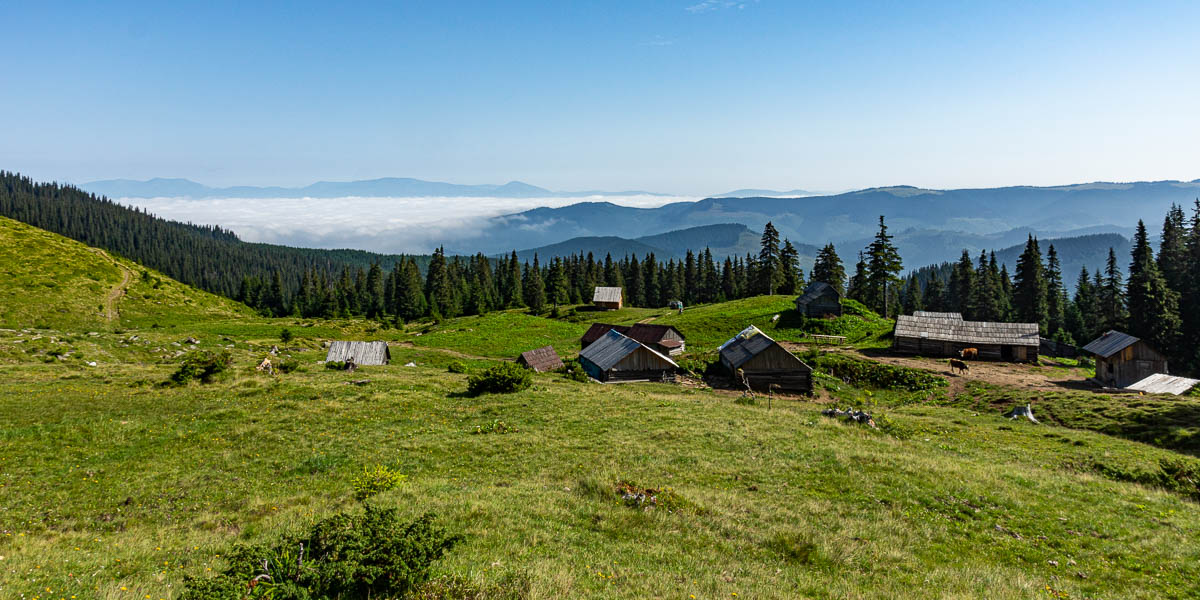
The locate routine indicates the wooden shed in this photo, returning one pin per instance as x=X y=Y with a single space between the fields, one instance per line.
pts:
x=607 y=298
x=766 y=364
x=362 y=353
x=541 y=360
x=663 y=338
x=1123 y=360
x=616 y=357
x=946 y=334
x=819 y=299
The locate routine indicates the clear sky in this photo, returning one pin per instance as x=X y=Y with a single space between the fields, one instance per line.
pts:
x=692 y=97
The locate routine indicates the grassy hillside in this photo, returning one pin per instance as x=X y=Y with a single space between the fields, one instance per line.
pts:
x=49 y=281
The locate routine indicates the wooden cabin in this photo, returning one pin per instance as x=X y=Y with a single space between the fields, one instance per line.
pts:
x=616 y=357
x=663 y=338
x=819 y=300
x=541 y=360
x=607 y=298
x=1122 y=360
x=362 y=353
x=947 y=334
x=766 y=364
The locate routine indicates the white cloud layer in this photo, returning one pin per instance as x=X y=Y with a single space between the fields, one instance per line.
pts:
x=391 y=225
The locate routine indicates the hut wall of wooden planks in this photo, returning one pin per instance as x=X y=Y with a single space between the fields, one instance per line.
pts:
x=946 y=334
x=362 y=353
x=818 y=300
x=607 y=298
x=1123 y=360
x=766 y=364
x=616 y=357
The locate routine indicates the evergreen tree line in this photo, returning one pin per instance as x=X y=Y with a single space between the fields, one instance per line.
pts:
x=1159 y=301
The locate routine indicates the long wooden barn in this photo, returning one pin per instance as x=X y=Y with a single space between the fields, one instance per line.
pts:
x=946 y=334
x=362 y=353
x=1123 y=360
x=616 y=357
x=765 y=364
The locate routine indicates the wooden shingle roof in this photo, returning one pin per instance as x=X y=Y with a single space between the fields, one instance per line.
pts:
x=646 y=333
x=606 y=294
x=816 y=290
x=363 y=353
x=1110 y=343
x=542 y=359
x=951 y=329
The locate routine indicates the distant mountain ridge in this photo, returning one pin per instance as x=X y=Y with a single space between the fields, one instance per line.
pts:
x=400 y=187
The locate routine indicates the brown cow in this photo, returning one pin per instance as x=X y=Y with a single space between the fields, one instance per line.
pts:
x=960 y=365
x=969 y=353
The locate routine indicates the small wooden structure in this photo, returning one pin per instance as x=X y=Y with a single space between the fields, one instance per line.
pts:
x=362 y=353
x=1122 y=360
x=1058 y=349
x=833 y=340
x=946 y=334
x=765 y=364
x=818 y=300
x=616 y=357
x=607 y=298
x=541 y=360
x=1161 y=383
x=662 y=338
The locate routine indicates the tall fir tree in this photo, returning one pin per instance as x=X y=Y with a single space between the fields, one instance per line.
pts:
x=1153 y=306
x=768 y=269
x=534 y=287
x=856 y=289
x=1110 y=305
x=1056 y=295
x=1029 y=287
x=829 y=269
x=789 y=261
x=962 y=283
x=883 y=270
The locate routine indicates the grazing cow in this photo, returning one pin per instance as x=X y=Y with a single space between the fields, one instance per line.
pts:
x=969 y=353
x=960 y=365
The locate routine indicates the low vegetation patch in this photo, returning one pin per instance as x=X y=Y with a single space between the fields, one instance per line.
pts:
x=574 y=371
x=457 y=366
x=369 y=555
x=503 y=378
x=864 y=373
x=376 y=480
x=496 y=426
x=202 y=365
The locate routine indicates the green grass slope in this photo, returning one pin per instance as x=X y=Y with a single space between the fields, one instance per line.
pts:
x=49 y=281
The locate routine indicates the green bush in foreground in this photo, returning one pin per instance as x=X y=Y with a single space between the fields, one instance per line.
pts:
x=504 y=378
x=457 y=366
x=574 y=371
x=374 y=480
x=368 y=555
x=878 y=375
x=203 y=365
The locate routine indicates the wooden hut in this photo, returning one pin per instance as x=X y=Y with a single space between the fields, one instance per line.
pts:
x=819 y=299
x=663 y=338
x=946 y=334
x=607 y=298
x=1122 y=359
x=362 y=353
x=765 y=364
x=616 y=357
x=541 y=360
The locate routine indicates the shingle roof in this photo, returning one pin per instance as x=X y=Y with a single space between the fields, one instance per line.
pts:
x=597 y=331
x=609 y=350
x=745 y=345
x=1161 y=383
x=938 y=315
x=949 y=329
x=815 y=290
x=363 y=353
x=607 y=294
x=1110 y=343
x=541 y=359
x=645 y=333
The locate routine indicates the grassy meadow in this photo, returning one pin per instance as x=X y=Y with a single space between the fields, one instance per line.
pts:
x=113 y=486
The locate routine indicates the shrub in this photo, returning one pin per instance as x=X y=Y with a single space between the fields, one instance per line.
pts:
x=286 y=335
x=288 y=365
x=374 y=480
x=504 y=378
x=204 y=365
x=335 y=365
x=457 y=366
x=878 y=375
x=369 y=555
x=574 y=371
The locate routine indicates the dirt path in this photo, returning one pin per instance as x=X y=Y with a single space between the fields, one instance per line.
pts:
x=114 y=295
x=1048 y=376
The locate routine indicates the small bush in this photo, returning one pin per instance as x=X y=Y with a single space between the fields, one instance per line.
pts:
x=374 y=480
x=457 y=366
x=574 y=371
x=204 y=365
x=370 y=555
x=878 y=375
x=288 y=365
x=335 y=365
x=504 y=378
x=286 y=335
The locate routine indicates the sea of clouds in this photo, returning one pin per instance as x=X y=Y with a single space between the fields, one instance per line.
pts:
x=390 y=225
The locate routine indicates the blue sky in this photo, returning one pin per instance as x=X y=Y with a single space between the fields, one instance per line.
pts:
x=692 y=97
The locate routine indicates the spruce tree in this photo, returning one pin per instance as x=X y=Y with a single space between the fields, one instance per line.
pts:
x=883 y=270
x=1153 y=306
x=857 y=287
x=935 y=294
x=768 y=268
x=962 y=283
x=829 y=269
x=534 y=287
x=1173 y=249
x=1056 y=295
x=710 y=291
x=635 y=282
x=789 y=261
x=1029 y=287
x=984 y=304
x=1110 y=305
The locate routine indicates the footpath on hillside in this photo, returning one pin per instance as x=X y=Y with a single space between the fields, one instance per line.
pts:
x=114 y=295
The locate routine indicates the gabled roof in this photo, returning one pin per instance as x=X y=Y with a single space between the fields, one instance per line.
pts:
x=1110 y=343
x=363 y=353
x=597 y=331
x=646 y=333
x=745 y=345
x=950 y=329
x=541 y=359
x=606 y=294
x=816 y=290
x=938 y=315
x=1161 y=383
x=609 y=350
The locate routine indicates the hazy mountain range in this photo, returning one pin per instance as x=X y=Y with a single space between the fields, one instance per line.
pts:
x=397 y=187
